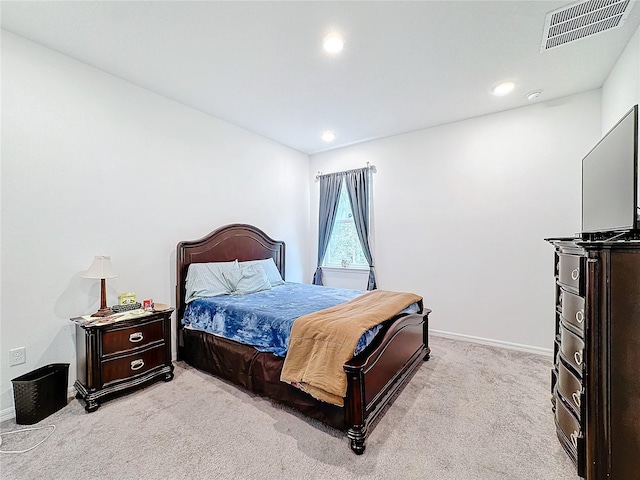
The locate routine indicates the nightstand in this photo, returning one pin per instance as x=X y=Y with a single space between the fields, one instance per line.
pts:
x=122 y=355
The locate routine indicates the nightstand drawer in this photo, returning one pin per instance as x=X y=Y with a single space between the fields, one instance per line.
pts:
x=125 y=339
x=131 y=365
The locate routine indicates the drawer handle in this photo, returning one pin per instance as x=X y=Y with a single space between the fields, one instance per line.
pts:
x=560 y=298
x=136 y=337
x=574 y=439
x=137 y=364
x=575 y=274
x=579 y=316
x=578 y=358
x=576 y=398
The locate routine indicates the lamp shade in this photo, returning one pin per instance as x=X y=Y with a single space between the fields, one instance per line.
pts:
x=100 y=268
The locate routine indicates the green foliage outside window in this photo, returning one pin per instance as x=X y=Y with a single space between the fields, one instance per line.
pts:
x=344 y=248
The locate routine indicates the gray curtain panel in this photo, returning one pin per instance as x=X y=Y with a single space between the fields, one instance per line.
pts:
x=358 y=183
x=330 y=186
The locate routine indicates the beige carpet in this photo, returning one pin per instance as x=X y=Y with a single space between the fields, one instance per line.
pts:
x=471 y=412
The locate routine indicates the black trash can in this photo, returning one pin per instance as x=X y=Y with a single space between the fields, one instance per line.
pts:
x=40 y=393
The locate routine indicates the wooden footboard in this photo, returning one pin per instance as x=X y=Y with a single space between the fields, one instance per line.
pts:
x=375 y=376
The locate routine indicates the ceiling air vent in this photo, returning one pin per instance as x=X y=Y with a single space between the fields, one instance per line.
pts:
x=583 y=19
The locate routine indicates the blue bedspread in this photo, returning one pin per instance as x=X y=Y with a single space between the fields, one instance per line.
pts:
x=264 y=319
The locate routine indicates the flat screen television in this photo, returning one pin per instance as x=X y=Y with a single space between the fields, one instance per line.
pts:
x=610 y=180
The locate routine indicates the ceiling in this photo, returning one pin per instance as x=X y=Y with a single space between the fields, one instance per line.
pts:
x=260 y=65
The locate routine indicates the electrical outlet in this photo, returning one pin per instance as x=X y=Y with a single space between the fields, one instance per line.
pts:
x=17 y=356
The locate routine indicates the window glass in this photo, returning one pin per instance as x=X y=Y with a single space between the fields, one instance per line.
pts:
x=344 y=248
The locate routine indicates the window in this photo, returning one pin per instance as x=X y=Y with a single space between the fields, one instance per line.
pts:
x=344 y=248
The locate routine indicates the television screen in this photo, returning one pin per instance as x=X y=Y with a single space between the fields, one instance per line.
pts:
x=610 y=179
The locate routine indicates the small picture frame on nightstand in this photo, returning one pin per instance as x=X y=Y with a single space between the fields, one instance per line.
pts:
x=127 y=298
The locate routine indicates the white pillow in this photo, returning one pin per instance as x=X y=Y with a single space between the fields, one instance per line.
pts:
x=269 y=267
x=207 y=279
x=249 y=279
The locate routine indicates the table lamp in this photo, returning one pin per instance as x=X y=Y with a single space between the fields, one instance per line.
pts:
x=101 y=268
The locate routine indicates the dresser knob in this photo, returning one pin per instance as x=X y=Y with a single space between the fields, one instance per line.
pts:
x=560 y=298
x=574 y=439
x=578 y=358
x=575 y=274
x=136 y=337
x=137 y=364
x=576 y=398
x=580 y=316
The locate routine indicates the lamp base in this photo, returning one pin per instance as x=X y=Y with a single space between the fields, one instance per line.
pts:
x=103 y=312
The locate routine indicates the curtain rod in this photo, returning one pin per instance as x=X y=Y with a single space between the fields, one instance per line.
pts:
x=370 y=167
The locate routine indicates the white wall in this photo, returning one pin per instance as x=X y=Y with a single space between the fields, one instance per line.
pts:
x=461 y=211
x=94 y=165
x=621 y=90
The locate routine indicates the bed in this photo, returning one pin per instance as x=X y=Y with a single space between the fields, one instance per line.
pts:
x=374 y=376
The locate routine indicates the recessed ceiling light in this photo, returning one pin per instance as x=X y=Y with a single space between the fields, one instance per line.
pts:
x=328 y=136
x=333 y=43
x=531 y=96
x=503 y=88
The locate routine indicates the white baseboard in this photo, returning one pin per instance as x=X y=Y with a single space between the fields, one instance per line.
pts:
x=10 y=413
x=7 y=414
x=494 y=343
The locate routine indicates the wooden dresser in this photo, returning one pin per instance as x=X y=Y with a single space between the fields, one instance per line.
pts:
x=595 y=382
x=122 y=355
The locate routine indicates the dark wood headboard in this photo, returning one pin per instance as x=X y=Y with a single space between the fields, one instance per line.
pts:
x=232 y=242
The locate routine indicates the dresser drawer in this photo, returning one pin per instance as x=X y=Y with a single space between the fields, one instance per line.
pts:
x=571 y=348
x=570 y=433
x=132 y=365
x=122 y=340
x=569 y=425
x=570 y=270
x=572 y=309
x=570 y=387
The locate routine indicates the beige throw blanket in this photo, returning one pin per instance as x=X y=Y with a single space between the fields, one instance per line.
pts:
x=322 y=342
